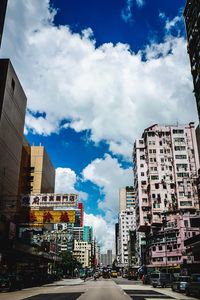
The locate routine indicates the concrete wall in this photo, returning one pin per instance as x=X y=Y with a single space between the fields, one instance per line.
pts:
x=12 y=115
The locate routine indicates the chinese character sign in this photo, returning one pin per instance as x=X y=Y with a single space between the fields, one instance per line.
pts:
x=51 y=216
x=49 y=200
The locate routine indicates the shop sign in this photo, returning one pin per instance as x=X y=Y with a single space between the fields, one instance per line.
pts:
x=51 y=216
x=49 y=200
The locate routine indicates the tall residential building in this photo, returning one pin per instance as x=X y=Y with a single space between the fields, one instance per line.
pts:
x=82 y=252
x=88 y=234
x=126 y=198
x=12 y=115
x=192 y=21
x=109 y=257
x=166 y=169
x=126 y=223
x=42 y=171
x=3 y=6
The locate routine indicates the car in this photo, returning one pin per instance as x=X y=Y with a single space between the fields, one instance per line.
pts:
x=193 y=286
x=180 y=283
x=106 y=273
x=114 y=274
x=161 y=279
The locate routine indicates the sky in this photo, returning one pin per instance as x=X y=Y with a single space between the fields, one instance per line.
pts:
x=97 y=73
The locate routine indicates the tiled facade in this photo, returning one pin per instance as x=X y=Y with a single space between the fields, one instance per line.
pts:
x=126 y=223
x=165 y=173
x=126 y=197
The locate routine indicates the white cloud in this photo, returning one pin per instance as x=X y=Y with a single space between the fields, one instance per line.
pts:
x=65 y=182
x=103 y=231
x=126 y=12
x=109 y=175
x=108 y=90
x=173 y=23
x=140 y=3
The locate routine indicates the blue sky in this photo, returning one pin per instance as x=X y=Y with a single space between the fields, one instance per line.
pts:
x=96 y=74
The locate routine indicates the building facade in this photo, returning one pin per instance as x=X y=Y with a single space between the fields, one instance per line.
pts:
x=126 y=198
x=12 y=115
x=42 y=171
x=166 y=170
x=88 y=234
x=3 y=6
x=82 y=252
x=126 y=223
x=192 y=21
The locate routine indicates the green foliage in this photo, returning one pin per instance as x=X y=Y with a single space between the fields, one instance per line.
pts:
x=69 y=263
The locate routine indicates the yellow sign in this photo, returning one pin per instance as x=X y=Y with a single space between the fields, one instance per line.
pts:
x=51 y=216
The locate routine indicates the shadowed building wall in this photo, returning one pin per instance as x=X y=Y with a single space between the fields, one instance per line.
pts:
x=12 y=115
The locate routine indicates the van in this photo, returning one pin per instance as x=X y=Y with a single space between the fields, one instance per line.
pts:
x=161 y=279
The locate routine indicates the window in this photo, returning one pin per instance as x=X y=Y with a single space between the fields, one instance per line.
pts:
x=181 y=156
x=159 y=247
x=13 y=85
x=178 y=131
x=154 y=177
x=142 y=173
x=182 y=174
x=157 y=186
x=142 y=165
x=185 y=203
x=161 y=150
x=179 y=148
x=179 y=140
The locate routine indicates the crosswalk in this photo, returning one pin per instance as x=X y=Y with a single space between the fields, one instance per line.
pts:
x=146 y=294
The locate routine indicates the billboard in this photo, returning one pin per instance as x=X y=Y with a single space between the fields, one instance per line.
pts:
x=49 y=200
x=51 y=216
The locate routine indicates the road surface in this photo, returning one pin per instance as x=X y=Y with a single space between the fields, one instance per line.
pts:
x=101 y=289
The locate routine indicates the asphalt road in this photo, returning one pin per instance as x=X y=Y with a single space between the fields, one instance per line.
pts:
x=101 y=289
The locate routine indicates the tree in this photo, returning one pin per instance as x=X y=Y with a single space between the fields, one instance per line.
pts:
x=69 y=263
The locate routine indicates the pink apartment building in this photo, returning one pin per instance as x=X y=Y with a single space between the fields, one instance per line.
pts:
x=166 y=164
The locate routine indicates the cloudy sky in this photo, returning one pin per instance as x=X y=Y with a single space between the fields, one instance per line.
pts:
x=96 y=74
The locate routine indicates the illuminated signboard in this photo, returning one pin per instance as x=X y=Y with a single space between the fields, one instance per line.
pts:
x=51 y=216
x=49 y=200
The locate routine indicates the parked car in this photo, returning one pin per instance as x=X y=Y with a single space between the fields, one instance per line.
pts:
x=114 y=274
x=11 y=282
x=193 y=286
x=161 y=279
x=180 y=283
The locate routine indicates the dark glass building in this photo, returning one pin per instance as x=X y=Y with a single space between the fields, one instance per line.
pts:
x=3 y=5
x=192 y=21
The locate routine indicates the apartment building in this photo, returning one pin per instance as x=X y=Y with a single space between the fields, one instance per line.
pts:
x=166 y=169
x=126 y=224
x=126 y=197
x=192 y=21
x=82 y=252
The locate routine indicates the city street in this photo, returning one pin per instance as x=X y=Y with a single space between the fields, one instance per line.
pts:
x=104 y=289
